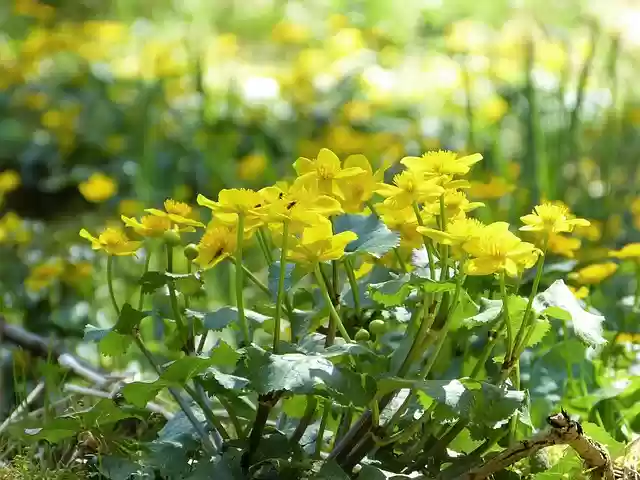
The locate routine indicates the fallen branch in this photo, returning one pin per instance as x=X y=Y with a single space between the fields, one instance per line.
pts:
x=562 y=431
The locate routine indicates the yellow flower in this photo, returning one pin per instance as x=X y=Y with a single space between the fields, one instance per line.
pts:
x=404 y=222
x=630 y=251
x=635 y=206
x=551 y=218
x=319 y=244
x=359 y=190
x=561 y=245
x=252 y=166
x=456 y=203
x=441 y=162
x=178 y=212
x=98 y=188
x=497 y=187
x=325 y=172
x=234 y=201
x=13 y=229
x=9 y=181
x=580 y=293
x=76 y=273
x=594 y=274
x=298 y=205
x=409 y=187
x=218 y=242
x=592 y=232
x=113 y=241
x=497 y=250
x=44 y=275
x=130 y=207
x=149 y=225
x=457 y=232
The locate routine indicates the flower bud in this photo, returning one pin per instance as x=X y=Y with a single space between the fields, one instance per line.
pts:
x=191 y=252
x=172 y=238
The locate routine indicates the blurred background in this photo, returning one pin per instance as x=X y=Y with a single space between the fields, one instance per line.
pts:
x=168 y=98
x=109 y=107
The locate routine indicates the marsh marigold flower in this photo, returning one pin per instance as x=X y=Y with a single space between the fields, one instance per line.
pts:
x=9 y=181
x=298 y=205
x=580 y=293
x=326 y=172
x=44 y=275
x=551 y=218
x=217 y=243
x=457 y=232
x=630 y=251
x=13 y=229
x=440 y=163
x=98 y=188
x=234 y=201
x=594 y=274
x=359 y=190
x=149 y=225
x=113 y=241
x=252 y=166
x=455 y=202
x=409 y=187
x=497 y=250
x=319 y=244
x=562 y=245
x=405 y=222
x=179 y=213
x=497 y=187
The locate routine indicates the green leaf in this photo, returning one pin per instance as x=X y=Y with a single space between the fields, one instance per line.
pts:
x=305 y=374
x=587 y=326
x=274 y=278
x=369 y=472
x=120 y=468
x=392 y=292
x=489 y=311
x=374 y=237
x=330 y=471
x=437 y=287
x=223 y=355
x=129 y=320
x=111 y=344
x=169 y=454
x=53 y=431
x=216 y=320
x=480 y=402
x=541 y=327
x=557 y=312
x=216 y=382
x=151 y=281
x=177 y=374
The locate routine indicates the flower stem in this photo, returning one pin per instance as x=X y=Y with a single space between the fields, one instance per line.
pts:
x=147 y=262
x=174 y=301
x=110 y=261
x=426 y=241
x=334 y=316
x=322 y=428
x=444 y=263
x=281 y=293
x=353 y=283
x=244 y=326
x=534 y=290
x=505 y=312
x=209 y=446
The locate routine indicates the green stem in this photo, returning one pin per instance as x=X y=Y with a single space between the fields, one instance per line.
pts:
x=267 y=244
x=147 y=262
x=252 y=278
x=444 y=263
x=244 y=326
x=281 y=278
x=335 y=317
x=534 y=290
x=484 y=356
x=323 y=426
x=445 y=328
x=174 y=301
x=308 y=415
x=110 y=261
x=426 y=241
x=353 y=283
x=505 y=311
x=206 y=441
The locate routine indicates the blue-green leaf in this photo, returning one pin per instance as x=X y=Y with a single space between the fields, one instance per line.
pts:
x=374 y=237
